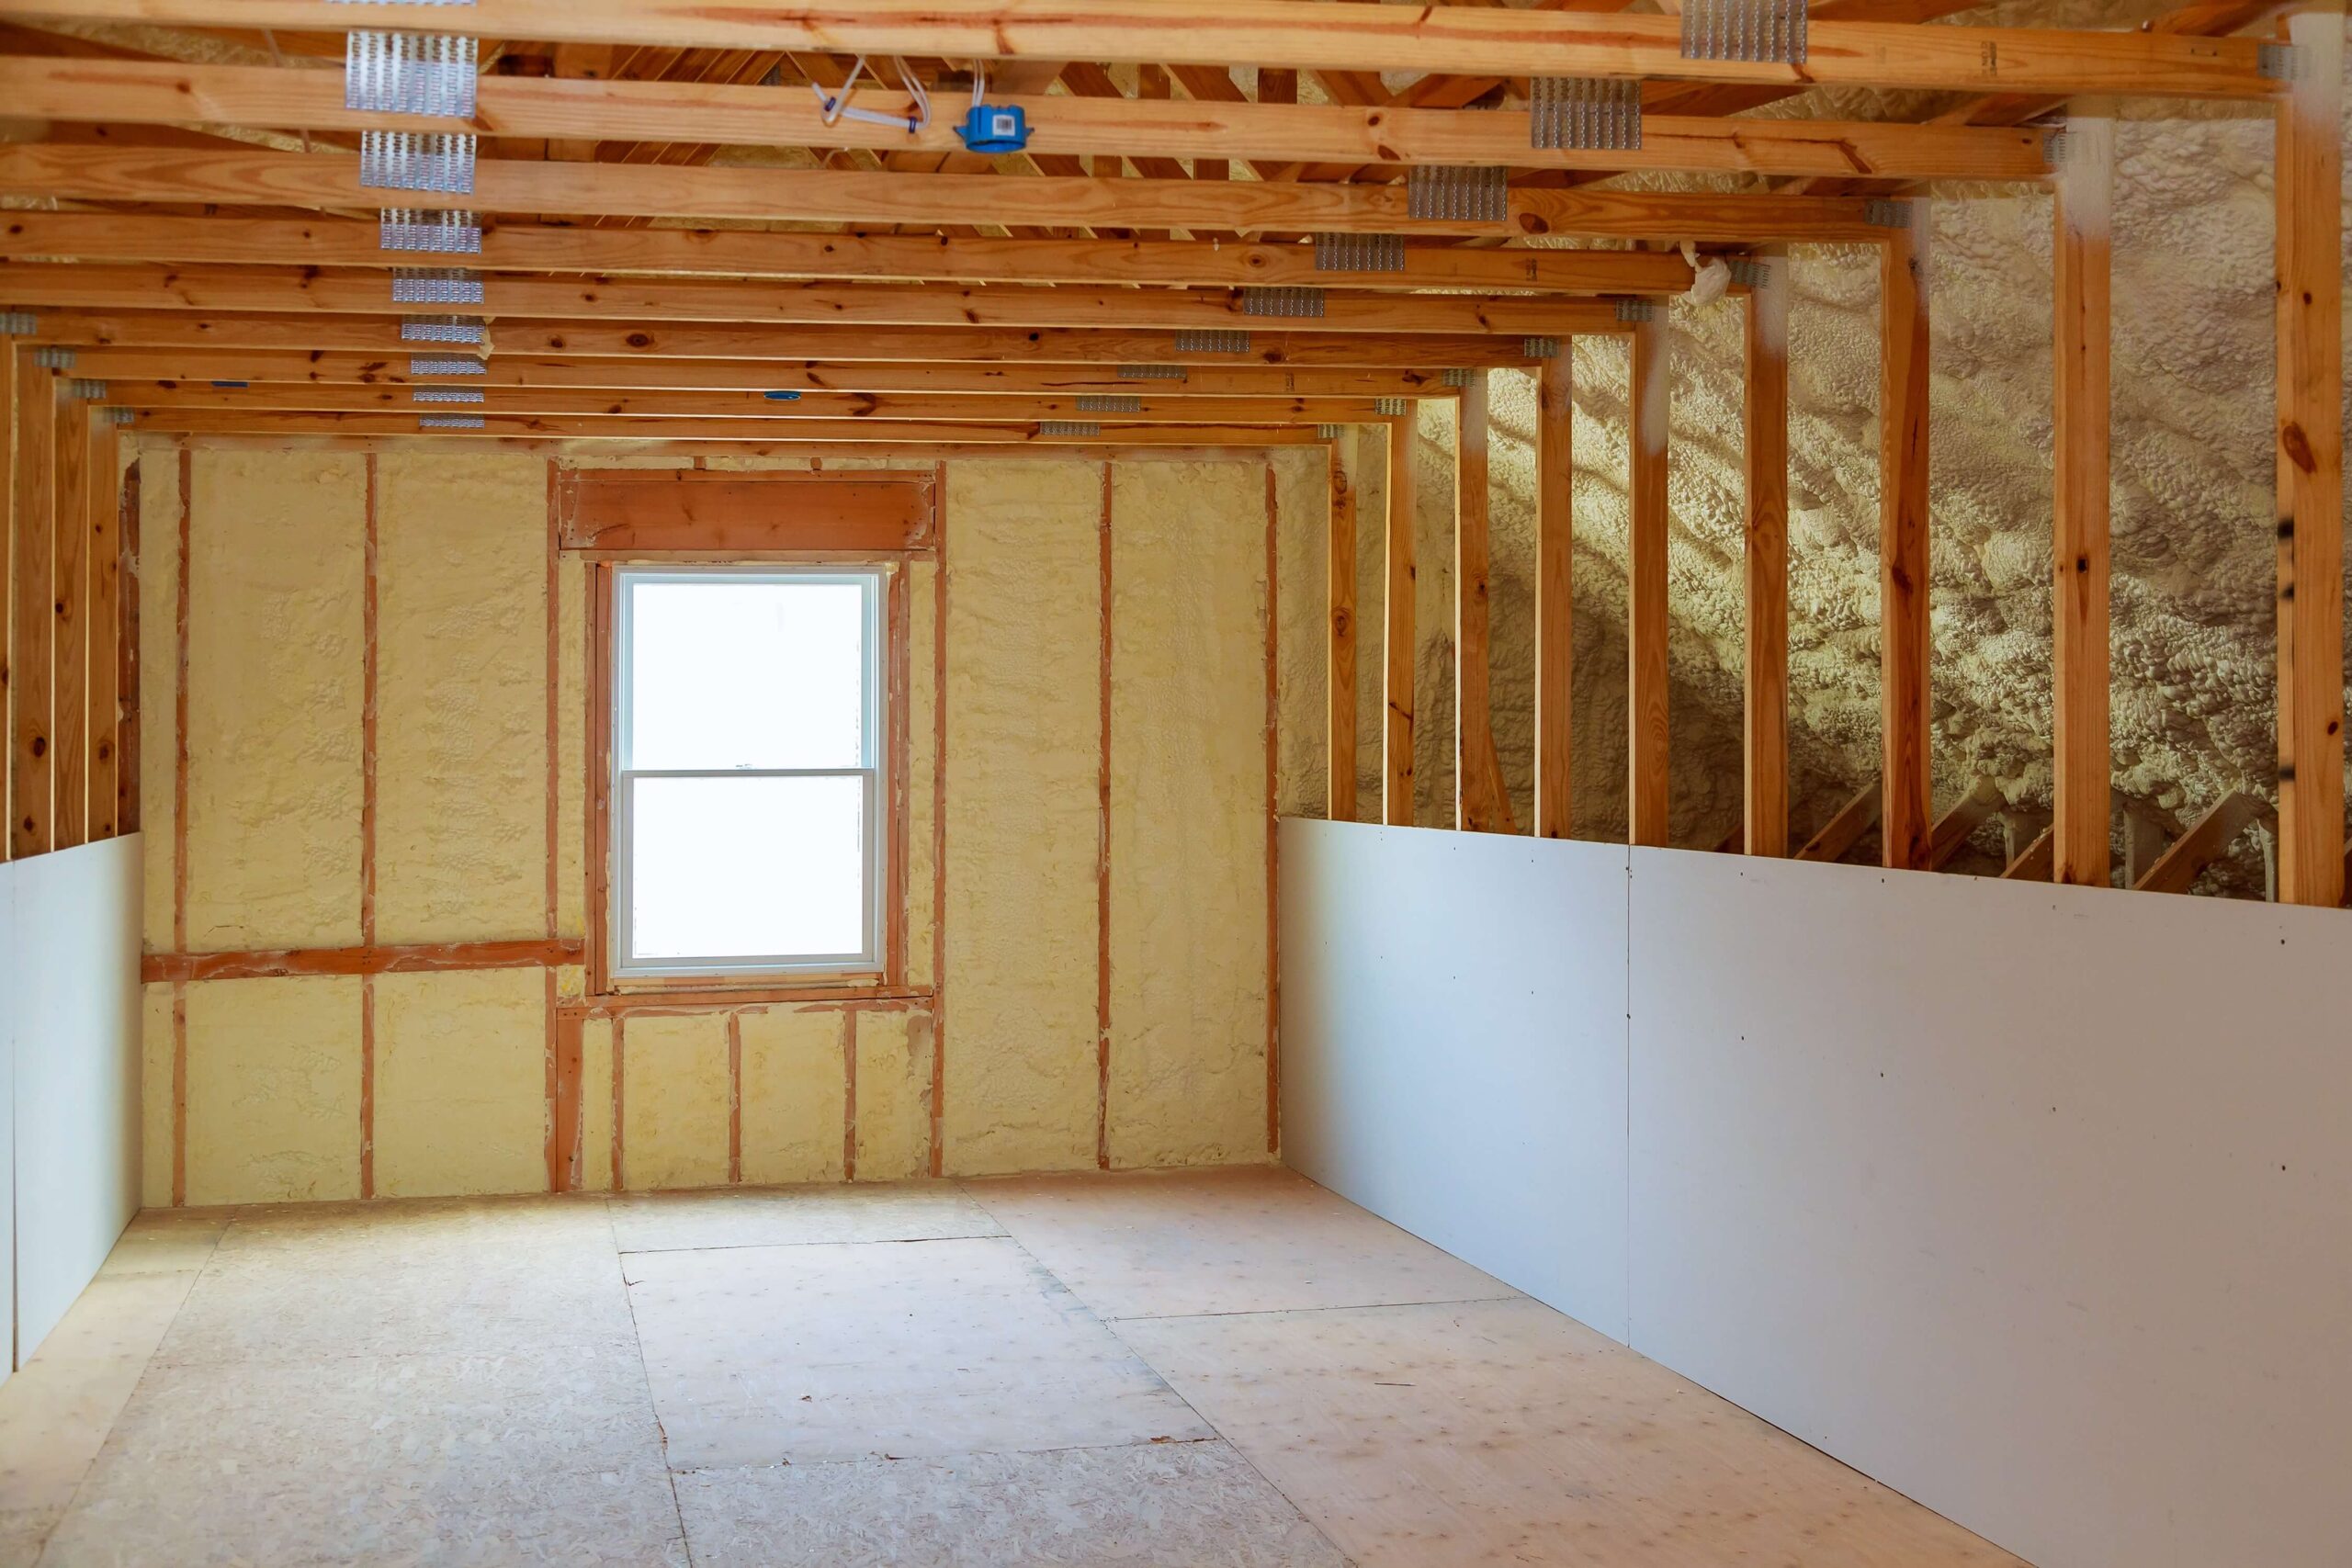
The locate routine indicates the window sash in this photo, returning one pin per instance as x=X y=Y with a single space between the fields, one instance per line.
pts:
x=626 y=964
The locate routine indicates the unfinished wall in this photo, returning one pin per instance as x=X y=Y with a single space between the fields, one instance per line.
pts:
x=1085 y=937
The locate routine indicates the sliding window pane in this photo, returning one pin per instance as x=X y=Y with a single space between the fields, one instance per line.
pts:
x=741 y=868
x=746 y=673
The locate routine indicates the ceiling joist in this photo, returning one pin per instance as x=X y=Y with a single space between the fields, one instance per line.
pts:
x=1458 y=40
x=892 y=431
x=1135 y=406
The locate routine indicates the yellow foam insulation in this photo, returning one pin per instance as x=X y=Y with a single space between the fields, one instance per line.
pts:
x=674 y=1093
x=159 y=679
x=571 y=749
x=571 y=983
x=923 y=770
x=1434 y=612
x=893 y=1095
x=273 y=1089
x=1369 y=474
x=794 y=1081
x=1023 y=662
x=595 y=1104
x=155 y=1096
x=1302 y=509
x=275 y=683
x=462 y=707
x=461 y=1083
x=1188 y=814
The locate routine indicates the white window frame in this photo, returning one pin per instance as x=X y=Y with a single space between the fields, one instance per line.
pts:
x=870 y=959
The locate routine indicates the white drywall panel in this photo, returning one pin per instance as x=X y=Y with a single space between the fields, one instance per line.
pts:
x=2034 y=1203
x=9 y=986
x=72 y=975
x=1453 y=1046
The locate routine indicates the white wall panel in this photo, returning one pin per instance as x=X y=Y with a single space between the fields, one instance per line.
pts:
x=1453 y=1046
x=2034 y=1203
x=70 y=975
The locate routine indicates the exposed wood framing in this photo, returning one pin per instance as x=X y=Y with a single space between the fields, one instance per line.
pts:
x=127 y=688
x=330 y=181
x=406 y=958
x=1648 y=798
x=2207 y=839
x=2310 y=465
x=1555 y=595
x=1481 y=803
x=1397 y=629
x=101 y=522
x=1954 y=827
x=1026 y=433
x=1907 y=839
x=33 y=626
x=2035 y=861
x=1845 y=829
x=752 y=405
x=10 y=359
x=1765 y=769
x=127 y=92
x=1461 y=40
x=2079 y=496
x=1340 y=663
x=70 y=637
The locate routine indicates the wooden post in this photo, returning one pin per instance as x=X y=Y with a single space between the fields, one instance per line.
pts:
x=1397 y=647
x=125 y=750
x=2079 y=526
x=69 y=647
x=102 y=633
x=1646 y=688
x=1340 y=683
x=1907 y=823
x=1766 y=813
x=1480 y=804
x=1554 y=582
x=9 y=358
x=30 y=825
x=2310 y=465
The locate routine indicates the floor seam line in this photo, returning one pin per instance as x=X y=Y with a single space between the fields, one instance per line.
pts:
x=1347 y=1306
x=652 y=1405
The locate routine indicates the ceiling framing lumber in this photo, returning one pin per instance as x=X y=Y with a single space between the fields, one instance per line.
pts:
x=331 y=181
x=267 y=98
x=917 y=406
x=621 y=340
x=1458 y=40
x=739 y=253
x=44 y=284
x=346 y=368
x=267 y=422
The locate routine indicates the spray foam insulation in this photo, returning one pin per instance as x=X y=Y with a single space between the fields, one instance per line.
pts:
x=595 y=1104
x=893 y=1094
x=1188 y=790
x=159 y=675
x=460 y=1083
x=1302 y=511
x=276 y=681
x=273 y=1090
x=571 y=749
x=674 y=1098
x=155 y=1096
x=795 y=1090
x=462 y=707
x=923 y=770
x=1024 y=695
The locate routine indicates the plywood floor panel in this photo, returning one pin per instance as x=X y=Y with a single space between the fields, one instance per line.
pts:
x=1254 y=1238
x=804 y=1354
x=1193 y=1369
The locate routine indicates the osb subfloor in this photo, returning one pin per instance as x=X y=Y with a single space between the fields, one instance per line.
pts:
x=1216 y=1370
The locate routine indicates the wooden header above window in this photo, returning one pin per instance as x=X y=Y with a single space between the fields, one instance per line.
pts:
x=647 y=512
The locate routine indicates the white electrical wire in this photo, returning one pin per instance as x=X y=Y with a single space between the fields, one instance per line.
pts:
x=836 y=106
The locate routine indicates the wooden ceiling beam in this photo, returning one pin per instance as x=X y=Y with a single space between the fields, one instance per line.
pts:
x=884 y=431
x=331 y=181
x=670 y=340
x=741 y=253
x=131 y=287
x=1455 y=39
x=574 y=111
x=505 y=370
x=638 y=404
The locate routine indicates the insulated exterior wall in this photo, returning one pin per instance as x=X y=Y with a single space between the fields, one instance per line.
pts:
x=158 y=589
x=893 y=1093
x=1187 y=789
x=795 y=1085
x=277 y=553
x=460 y=1083
x=461 y=742
x=923 y=770
x=1302 y=505
x=674 y=1093
x=1023 y=819
x=273 y=1090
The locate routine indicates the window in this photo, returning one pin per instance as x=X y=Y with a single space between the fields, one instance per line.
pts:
x=747 y=795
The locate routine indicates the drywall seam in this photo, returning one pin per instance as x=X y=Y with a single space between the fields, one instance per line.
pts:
x=1189 y=774
x=463 y=705
x=1023 y=835
x=274 y=688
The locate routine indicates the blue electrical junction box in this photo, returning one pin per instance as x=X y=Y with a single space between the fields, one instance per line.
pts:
x=995 y=127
